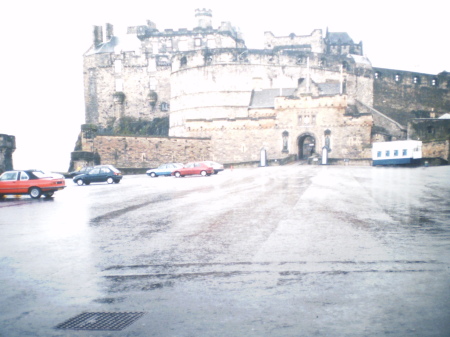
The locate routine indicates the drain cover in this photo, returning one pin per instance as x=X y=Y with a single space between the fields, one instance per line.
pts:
x=100 y=321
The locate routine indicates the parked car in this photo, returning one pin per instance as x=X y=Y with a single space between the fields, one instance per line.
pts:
x=82 y=170
x=192 y=169
x=32 y=182
x=163 y=170
x=99 y=174
x=216 y=166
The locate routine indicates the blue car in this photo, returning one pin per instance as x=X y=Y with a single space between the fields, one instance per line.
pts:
x=163 y=170
x=99 y=174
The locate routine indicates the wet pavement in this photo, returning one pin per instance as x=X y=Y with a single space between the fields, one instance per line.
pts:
x=276 y=251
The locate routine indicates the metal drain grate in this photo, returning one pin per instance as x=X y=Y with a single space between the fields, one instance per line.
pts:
x=101 y=321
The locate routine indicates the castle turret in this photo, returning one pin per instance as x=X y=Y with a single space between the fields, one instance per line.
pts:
x=204 y=18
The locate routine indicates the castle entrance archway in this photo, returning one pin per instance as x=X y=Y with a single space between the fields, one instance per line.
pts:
x=306 y=145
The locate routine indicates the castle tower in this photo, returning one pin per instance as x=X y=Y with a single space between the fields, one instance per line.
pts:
x=204 y=18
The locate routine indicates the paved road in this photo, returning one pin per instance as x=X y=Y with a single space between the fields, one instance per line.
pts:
x=275 y=251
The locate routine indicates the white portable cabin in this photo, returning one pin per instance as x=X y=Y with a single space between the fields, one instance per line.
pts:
x=397 y=152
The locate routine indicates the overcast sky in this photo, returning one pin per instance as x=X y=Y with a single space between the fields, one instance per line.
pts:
x=43 y=43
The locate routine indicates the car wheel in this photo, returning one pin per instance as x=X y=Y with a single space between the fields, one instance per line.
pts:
x=87 y=182
x=35 y=192
x=110 y=180
x=117 y=181
x=177 y=174
x=203 y=173
x=80 y=182
x=208 y=174
x=153 y=174
x=48 y=194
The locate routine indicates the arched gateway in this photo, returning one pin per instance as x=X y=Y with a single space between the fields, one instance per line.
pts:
x=306 y=145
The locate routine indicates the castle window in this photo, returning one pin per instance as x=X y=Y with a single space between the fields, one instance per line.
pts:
x=183 y=61
x=164 y=106
x=285 y=141
x=162 y=61
x=211 y=43
x=198 y=42
x=169 y=44
x=153 y=83
x=155 y=48
x=299 y=120
x=119 y=84
x=117 y=66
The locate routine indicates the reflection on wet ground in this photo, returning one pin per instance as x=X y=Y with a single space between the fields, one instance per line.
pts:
x=276 y=251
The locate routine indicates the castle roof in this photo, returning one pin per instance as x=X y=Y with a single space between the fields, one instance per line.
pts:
x=117 y=44
x=339 y=38
x=265 y=98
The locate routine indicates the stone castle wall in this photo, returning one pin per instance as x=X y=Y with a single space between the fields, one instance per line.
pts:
x=7 y=147
x=403 y=95
x=143 y=152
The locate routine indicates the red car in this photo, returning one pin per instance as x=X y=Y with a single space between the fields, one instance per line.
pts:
x=32 y=182
x=192 y=169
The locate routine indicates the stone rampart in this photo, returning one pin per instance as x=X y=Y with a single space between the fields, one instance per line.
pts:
x=7 y=147
x=142 y=152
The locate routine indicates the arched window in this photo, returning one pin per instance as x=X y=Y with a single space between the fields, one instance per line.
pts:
x=183 y=61
x=285 y=135
x=327 y=135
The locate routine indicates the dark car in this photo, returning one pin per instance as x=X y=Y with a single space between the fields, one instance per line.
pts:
x=99 y=174
x=82 y=170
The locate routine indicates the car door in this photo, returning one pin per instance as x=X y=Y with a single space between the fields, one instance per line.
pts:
x=93 y=175
x=104 y=174
x=23 y=182
x=8 y=182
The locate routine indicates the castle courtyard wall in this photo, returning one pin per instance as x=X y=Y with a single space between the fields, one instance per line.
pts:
x=145 y=152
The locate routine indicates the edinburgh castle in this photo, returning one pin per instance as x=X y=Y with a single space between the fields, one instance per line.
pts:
x=181 y=95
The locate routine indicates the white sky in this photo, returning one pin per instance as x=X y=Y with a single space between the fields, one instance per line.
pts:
x=43 y=42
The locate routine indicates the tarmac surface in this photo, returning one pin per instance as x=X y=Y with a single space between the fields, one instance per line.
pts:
x=293 y=250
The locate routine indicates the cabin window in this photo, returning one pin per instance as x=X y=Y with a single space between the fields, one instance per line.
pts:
x=388 y=153
x=379 y=154
x=405 y=152
x=395 y=153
